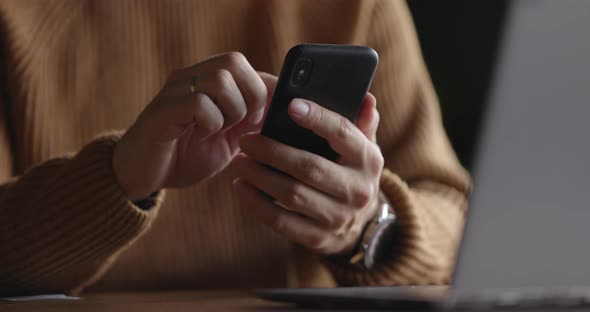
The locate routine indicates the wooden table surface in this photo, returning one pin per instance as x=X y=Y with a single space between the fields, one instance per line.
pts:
x=174 y=301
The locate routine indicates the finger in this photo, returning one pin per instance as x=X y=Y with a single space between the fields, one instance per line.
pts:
x=249 y=83
x=368 y=118
x=342 y=135
x=181 y=112
x=304 y=166
x=292 y=226
x=270 y=81
x=206 y=115
x=291 y=193
x=221 y=87
x=242 y=128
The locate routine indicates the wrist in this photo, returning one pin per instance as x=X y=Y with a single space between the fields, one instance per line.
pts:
x=123 y=173
x=377 y=238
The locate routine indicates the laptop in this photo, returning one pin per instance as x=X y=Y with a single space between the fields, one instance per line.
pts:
x=527 y=237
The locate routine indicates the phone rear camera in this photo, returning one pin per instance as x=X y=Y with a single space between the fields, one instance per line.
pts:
x=301 y=72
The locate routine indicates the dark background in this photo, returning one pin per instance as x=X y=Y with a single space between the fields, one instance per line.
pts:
x=459 y=40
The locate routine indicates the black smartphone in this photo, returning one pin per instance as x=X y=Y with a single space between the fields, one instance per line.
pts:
x=336 y=77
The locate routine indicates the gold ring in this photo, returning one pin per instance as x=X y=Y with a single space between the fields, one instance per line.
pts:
x=193 y=85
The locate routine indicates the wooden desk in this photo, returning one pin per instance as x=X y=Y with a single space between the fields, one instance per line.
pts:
x=174 y=301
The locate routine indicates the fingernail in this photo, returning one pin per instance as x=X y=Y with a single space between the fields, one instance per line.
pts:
x=299 y=108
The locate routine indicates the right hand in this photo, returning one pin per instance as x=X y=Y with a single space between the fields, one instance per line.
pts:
x=185 y=136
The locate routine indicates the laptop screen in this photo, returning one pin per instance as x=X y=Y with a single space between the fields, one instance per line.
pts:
x=529 y=217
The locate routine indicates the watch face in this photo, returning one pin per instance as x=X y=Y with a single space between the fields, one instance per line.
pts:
x=383 y=243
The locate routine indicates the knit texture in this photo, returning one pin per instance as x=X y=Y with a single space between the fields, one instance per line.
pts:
x=72 y=70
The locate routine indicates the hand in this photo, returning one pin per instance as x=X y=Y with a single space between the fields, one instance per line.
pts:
x=322 y=205
x=189 y=132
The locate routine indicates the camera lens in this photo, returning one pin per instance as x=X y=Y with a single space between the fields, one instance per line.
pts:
x=301 y=72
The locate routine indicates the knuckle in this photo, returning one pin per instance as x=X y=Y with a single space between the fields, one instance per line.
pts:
x=201 y=99
x=223 y=78
x=278 y=223
x=310 y=169
x=345 y=129
x=234 y=59
x=362 y=194
x=294 y=196
x=376 y=160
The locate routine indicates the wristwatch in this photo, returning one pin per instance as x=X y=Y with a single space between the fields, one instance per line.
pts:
x=377 y=240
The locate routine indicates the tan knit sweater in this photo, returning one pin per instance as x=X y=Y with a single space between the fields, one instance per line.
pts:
x=72 y=70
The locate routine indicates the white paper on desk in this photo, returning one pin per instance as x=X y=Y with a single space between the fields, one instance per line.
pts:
x=40 y=297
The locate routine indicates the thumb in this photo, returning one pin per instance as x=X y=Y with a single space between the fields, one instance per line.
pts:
x=368 y=119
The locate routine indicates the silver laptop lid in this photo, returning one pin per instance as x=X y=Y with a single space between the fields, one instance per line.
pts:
x=529 y=221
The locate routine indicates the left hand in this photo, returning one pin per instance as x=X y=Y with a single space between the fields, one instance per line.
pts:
x=328 y=203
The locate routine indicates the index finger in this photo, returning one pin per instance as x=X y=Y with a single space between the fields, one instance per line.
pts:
x=342 y=135
x=249 y=82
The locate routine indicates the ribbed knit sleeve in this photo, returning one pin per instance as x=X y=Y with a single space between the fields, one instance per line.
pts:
x=64 y=221
x=423 y=178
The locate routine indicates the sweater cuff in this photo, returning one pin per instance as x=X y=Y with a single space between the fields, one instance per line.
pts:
x=83 y=221
x=148 y=202
x=411 y=261
x=121 y=220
